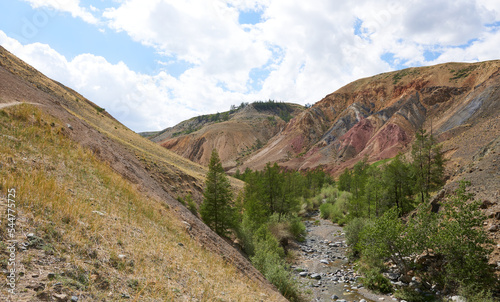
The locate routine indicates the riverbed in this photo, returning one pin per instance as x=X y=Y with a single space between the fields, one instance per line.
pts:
x=322 y=268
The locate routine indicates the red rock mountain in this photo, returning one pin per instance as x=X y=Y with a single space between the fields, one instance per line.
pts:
x=378 y=116
x=374 y=117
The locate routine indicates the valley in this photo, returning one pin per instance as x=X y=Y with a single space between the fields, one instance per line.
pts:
x=77 y=169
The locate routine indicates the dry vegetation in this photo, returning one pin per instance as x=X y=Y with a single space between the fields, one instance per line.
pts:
x=102 y=237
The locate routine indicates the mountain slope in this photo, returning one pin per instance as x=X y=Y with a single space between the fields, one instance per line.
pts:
x=98 y=204
x=235 y=134
x=378 y=116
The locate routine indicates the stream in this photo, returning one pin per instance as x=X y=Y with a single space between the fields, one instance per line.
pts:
x=322 y=268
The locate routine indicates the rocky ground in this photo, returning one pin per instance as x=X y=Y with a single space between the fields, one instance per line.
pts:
x=322 y=268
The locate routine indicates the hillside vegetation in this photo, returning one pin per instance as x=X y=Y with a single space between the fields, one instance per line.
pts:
x=98 y=234
x=99 y=205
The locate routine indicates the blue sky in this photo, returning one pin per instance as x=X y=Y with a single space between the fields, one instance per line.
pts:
x=154 y=63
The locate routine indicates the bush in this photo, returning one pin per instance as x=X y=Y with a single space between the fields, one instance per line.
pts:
x=330 y=194
x=326 y=210
x=268 y=259
x=191 y=204
x=474 y=294
x=453 y=244
x=352 y=231
x=297 y=228
x=375 y=281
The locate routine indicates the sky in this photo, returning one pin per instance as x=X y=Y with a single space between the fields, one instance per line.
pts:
x=154 y=63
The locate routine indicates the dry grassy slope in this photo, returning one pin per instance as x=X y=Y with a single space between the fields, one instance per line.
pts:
x=378 y=116
x=234 y=139
x=154 y=173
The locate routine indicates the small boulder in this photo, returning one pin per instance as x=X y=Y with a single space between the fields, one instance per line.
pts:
x=36 y=286
x=458 y=299
x=61 y=297
x=486 y=204
x=316 y=276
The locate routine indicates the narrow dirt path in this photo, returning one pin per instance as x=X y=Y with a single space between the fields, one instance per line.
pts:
x=322 y=268
x=4 y=105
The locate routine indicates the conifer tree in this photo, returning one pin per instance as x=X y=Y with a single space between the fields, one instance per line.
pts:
x=428 y=164
x=216 y=210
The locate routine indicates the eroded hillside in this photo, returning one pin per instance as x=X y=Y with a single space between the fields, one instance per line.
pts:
x=378 y=116
x=235 y=134
x=96 y=205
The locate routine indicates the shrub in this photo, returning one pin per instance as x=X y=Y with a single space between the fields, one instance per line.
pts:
x=191 y=204
x=297 y=228
x=375 y=281
x=268 y=259
x=352 y=231
x=326 y=210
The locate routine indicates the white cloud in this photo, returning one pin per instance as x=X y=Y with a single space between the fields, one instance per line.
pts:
x=70 y=6
x=141 y=102
x=306 y=48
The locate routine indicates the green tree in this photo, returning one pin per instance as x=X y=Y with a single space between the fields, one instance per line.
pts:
x=374 y=188
x=359 y=178
x=345 y=180
x=428 y=164
x=398 y=184
x=216 y=210
x=463 y=242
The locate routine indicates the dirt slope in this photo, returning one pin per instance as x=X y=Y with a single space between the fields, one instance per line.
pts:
x=153 y=170
x=245 y=130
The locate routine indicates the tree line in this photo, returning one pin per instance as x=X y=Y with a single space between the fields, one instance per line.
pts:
x=388 y=220
x=264 y=216
x=400 y=183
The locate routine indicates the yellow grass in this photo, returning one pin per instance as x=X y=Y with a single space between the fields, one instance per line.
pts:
x=115 y=240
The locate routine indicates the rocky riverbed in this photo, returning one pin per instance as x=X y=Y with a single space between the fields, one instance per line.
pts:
x=322 y=268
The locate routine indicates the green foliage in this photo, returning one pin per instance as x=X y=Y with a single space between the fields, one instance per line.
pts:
x=375 y=281
x=274 y=190
x=462 y=73
x=270 y=204
x=326 y=210
x=452 y=239
x=382 y=240
x=410 y=295
x=281 y=109
x=428 y=164
x=189 y=130
x=401 y=74
x=353 y=235
x=297 y=228
x=345 y=180
x=463 y=242
x=268 y=259
x=216 y=210
x=474 y=294
x=191 y=204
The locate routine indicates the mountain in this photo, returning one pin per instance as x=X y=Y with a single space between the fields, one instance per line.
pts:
x=96 y=215
x=376 y=118
x=235 y=134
